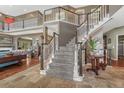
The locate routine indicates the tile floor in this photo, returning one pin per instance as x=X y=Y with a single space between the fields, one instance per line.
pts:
x=31 y=78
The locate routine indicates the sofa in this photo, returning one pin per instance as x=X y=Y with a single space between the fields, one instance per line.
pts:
x=7 y=59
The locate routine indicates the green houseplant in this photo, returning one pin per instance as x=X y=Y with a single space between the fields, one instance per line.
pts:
x=92 y=45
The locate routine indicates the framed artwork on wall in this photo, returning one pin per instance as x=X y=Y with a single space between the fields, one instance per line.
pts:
x=109 y=40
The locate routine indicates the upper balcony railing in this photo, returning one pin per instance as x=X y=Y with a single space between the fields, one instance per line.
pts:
x=97 y=15
x=60 y=13
x=85 y=21
x=92 y=19
x=22 y=24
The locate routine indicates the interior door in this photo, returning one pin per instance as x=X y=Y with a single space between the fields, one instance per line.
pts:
x=121 y=46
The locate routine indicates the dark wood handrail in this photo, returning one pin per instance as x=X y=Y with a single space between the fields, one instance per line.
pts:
x=50 y=40
x=42 y=47
x=65 y=10
x=51 y=9
x=59 y=7
x=40 y=13
x=79 y=43
x=82 y=23
x=54 y=33
x=94 y=10
x=68 y=10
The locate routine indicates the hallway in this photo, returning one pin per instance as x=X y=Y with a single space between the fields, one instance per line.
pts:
x=31 y=78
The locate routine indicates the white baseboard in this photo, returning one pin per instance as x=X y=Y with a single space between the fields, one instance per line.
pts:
x=79 y=78
x=43 y=72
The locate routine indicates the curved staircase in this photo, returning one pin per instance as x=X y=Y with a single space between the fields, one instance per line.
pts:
x=62 y=65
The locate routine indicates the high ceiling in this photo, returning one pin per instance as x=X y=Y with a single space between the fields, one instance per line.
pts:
x=15 y=10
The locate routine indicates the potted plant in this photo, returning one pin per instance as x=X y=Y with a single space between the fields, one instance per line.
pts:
x=92 y=45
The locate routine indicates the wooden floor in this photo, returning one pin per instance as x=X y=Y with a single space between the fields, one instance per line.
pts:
x=13 y=69
x=112 y=77
x=119 y=63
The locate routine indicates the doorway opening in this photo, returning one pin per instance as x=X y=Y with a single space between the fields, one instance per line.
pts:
x=121 y=50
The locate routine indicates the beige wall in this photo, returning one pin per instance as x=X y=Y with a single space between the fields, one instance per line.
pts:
x=113 y=9
x=24 y=43
x=6 y=41
x=66 y=33
x=113 y=35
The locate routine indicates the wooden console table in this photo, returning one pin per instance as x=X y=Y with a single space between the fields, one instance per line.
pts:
x=95 y=62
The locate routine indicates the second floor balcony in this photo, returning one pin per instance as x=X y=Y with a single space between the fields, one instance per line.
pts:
x=61 y=14
x=36 y=19
x=23 y=22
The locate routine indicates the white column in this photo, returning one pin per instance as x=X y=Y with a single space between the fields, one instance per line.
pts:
x=33 y=43
x=57 y=43
x=76 y=76
x=44 y=39
x=15 y=42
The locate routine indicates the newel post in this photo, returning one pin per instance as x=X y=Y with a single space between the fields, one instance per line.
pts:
x=44 y=40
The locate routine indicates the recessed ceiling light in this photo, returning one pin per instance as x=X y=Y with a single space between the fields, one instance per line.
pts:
x=25 y=10
x=0 y=14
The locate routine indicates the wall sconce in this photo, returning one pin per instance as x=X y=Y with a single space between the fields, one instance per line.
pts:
x=113 y=46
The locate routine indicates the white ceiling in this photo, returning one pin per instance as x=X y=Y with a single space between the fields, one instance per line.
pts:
x=15 y=10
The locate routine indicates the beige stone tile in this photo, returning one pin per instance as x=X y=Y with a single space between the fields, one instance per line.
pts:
x=31 y=78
